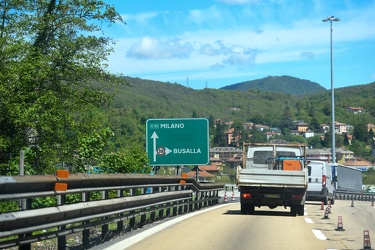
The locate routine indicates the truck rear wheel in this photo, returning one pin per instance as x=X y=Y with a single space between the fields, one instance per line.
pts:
x=301 y=210
x=293 y=210
x=251 y=209
x=244 y=208
x=247 y=208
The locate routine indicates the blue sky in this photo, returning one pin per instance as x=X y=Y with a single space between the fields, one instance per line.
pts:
x=215 y=43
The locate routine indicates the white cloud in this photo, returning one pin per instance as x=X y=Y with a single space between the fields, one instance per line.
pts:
x=142 y=18
x=151 y=48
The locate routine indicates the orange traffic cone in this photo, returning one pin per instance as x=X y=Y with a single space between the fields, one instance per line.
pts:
x=340 y=226
x=366 y=240
x=326 y=213
x=225 y=197
x=233 y=198
x=322 y=206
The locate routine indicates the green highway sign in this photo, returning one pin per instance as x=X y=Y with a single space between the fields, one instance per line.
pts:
x=177 y=141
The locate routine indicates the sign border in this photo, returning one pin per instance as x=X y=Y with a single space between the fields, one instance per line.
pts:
x=148 y=143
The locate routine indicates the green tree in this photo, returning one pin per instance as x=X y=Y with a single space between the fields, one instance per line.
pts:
x=52 y=72
x=314 y=124
x=287 y=121
x=133 y=160
x=257 y=136
x=314 y=142
x=219 y=139
x=360 y=132
x=238 y=133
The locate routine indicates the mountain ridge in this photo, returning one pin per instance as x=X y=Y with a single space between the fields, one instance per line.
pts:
x=281 y=84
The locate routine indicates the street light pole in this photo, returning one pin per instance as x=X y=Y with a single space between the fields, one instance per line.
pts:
x=331 y=19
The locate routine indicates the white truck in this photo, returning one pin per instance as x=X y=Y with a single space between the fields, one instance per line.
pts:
x=272 y=175
x=346 y=179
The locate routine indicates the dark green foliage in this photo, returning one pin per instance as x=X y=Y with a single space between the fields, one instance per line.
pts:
x=369 y=177
x=219 y=138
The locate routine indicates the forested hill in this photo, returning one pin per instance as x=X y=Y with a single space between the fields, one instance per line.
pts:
x=153 y=99
x=281 y=84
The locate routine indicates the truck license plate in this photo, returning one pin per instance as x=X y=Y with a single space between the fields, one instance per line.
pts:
x=272 y=196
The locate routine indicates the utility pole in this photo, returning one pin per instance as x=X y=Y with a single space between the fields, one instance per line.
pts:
x=332 y=19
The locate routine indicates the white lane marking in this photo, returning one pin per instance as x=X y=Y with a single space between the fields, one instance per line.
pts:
x=308 y=220
x=319 y=234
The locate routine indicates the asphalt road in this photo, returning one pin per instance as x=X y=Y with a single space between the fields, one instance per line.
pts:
x=223 y=227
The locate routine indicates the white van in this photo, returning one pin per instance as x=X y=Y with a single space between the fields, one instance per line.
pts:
x=320 y=182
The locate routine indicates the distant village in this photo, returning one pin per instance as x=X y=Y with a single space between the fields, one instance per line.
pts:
x=226 y=159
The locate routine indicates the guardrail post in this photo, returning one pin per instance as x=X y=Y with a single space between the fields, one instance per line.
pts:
x=152 y=214
x=120 y=224
x=206 y=196
x=85 y=232
x=181 y=207
x=61 y=240
x=200 y=200
x=143 y=217
x=161 y=213
x=105 y=226
x=132 y=222
x=175 y=204
x=168 y=211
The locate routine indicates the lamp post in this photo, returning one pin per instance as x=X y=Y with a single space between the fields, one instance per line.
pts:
x=331 y=19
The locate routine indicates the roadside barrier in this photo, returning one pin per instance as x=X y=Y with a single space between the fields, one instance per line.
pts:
x=340 y=226
x=326 y=213
x=322 y=206
x=366 y=240
x=128 y=201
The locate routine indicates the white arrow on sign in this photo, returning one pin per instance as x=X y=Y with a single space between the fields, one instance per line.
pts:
x=154 y=137
x=167 y=151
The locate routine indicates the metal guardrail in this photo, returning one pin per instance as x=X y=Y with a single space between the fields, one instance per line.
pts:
x=125 y=200
x=357 y=196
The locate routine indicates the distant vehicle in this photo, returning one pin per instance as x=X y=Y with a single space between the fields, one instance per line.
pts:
x=273 y=175
x=346 y=179
x=320 y=182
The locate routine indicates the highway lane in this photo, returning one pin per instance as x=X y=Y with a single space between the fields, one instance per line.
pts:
x=223 y=227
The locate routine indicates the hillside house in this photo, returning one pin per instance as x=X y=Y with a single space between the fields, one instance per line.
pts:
x=340 y=127
x=302 y=127
x=203 y=176
x=225 y=153
x=355 y=110
x=371 y=126
x=362 y=165
x=309 y=133
x=212 y=169
x=234 y=161
x=271 y=134
x=248 y=125
x=325 y=154
x=262 y=127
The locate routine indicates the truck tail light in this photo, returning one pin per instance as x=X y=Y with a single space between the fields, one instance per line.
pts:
x=246 y=195
x=324 y=180
x=297 y=196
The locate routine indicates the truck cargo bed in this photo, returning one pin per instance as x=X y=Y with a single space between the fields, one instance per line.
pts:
x=271 y=178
